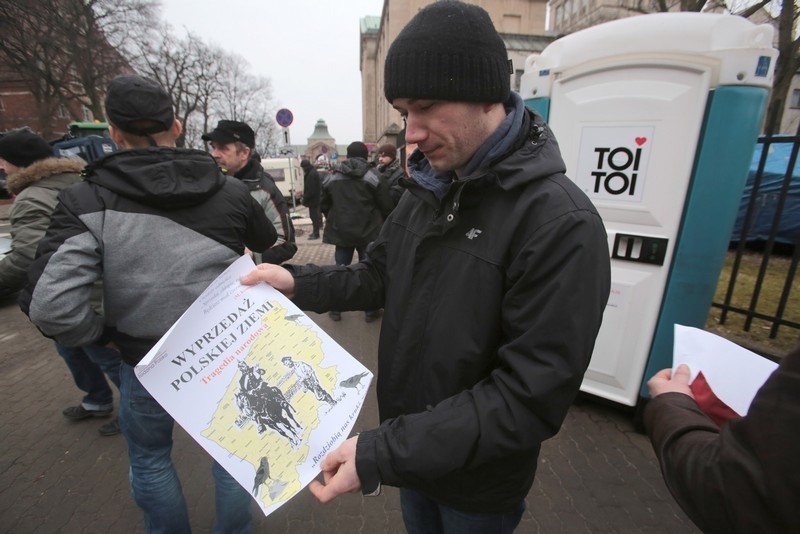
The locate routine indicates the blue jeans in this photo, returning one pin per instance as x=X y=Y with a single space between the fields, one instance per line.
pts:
x=421 y=515
x=147 y=428
x=344 y=255
x=87 y=364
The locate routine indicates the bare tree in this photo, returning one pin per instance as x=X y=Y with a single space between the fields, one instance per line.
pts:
x=63 y=49
x=248 y=98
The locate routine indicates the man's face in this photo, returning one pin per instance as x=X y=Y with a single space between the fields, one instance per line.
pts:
x=7 y=167
x=448 y=133
x=384 y=160
x=229 y=156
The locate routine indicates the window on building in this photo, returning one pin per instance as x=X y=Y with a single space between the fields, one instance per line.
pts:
x=87 y=114
x=796 y=98
x=2 y=106
x=62 y=111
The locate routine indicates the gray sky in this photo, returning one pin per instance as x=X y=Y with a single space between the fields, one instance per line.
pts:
x=308 y=48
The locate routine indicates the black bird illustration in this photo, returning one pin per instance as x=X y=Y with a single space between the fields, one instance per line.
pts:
x=262 y=474
x=354 y=381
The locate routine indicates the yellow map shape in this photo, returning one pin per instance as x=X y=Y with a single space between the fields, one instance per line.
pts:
x=284 y=336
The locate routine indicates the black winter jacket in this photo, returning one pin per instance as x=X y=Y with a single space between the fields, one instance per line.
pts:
x=157 y=225
x=355 y=202
x=493 y=298
x=393 y=173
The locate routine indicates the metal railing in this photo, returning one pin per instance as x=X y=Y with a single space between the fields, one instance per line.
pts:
x=776 y=317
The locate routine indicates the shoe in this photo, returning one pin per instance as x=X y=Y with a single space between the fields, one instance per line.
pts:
x=76 y=413
x=335 y=316
x=110 y=429
x=313 y=237
x=371 y=316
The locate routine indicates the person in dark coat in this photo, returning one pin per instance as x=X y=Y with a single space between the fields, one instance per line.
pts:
x=391 y=171
x=311 y=196
x=743 y=477
x=355 y=201
x=233 y=146
x=493 y=272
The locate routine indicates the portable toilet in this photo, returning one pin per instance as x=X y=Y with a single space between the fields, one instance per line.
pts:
x=657 y=118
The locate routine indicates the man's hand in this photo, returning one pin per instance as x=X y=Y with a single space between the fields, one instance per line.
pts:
x=274 y=275
x=338 y=473
x=665 y=381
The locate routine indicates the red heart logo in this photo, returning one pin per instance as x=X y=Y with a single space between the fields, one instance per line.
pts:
x=640 y=140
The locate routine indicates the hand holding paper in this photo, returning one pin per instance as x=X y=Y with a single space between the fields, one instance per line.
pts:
x=667 y=381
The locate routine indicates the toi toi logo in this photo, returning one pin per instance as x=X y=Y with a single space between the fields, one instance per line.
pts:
x=617 y=168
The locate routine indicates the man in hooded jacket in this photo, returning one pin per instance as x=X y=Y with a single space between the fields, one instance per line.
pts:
x=355 y=201
x=158 y=224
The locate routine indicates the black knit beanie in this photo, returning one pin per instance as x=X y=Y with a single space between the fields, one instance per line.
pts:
x=357 y=149
x=23 y=147
x=448 y=51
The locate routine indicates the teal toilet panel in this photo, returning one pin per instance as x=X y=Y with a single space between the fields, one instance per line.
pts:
x=540 y=106
x=734 y=115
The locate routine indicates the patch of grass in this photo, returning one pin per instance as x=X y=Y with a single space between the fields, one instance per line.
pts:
x=757 y=337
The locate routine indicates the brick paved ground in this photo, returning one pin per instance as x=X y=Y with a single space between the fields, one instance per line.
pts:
x=596 y=475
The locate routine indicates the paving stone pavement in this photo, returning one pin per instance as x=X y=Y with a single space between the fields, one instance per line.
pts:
x=56 y=476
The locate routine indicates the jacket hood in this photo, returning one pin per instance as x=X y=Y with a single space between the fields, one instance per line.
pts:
x=39 y=170
x=163 y=177
x=534 y=156
x=355 y=167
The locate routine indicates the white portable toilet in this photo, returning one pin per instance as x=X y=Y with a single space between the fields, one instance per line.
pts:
x=657 y=118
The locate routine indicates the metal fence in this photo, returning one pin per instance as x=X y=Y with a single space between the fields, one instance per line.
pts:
x=769 y=307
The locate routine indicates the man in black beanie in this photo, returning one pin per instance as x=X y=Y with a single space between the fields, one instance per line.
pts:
x=158 y=224
x=493 y=272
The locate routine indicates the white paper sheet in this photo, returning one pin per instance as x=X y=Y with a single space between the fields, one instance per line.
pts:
x=734 y=373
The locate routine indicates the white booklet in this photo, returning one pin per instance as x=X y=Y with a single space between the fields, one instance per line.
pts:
x=259 y=385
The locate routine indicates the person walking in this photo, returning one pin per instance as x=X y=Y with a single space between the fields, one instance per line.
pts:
x=391 y=171
x=311 y=196
x=493 y=272
x=36 y=177
x=355 y=202
x=157 y=224
x=233 y=147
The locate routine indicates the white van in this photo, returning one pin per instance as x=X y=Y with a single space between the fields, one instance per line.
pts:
x=288 y=176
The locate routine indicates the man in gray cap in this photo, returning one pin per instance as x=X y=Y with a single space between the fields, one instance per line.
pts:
x=157 y=224
x=493 y=272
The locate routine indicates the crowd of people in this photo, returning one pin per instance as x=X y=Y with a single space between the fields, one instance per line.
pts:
x=486 y=264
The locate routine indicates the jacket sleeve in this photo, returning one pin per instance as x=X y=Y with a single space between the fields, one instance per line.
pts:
x=743 y=477
x=260 y=233
x=382 y=198
x=278 y=213
x=59 y=292
x=29 y=220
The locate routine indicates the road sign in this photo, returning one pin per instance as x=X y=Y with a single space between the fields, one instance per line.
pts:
x=284 y=117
